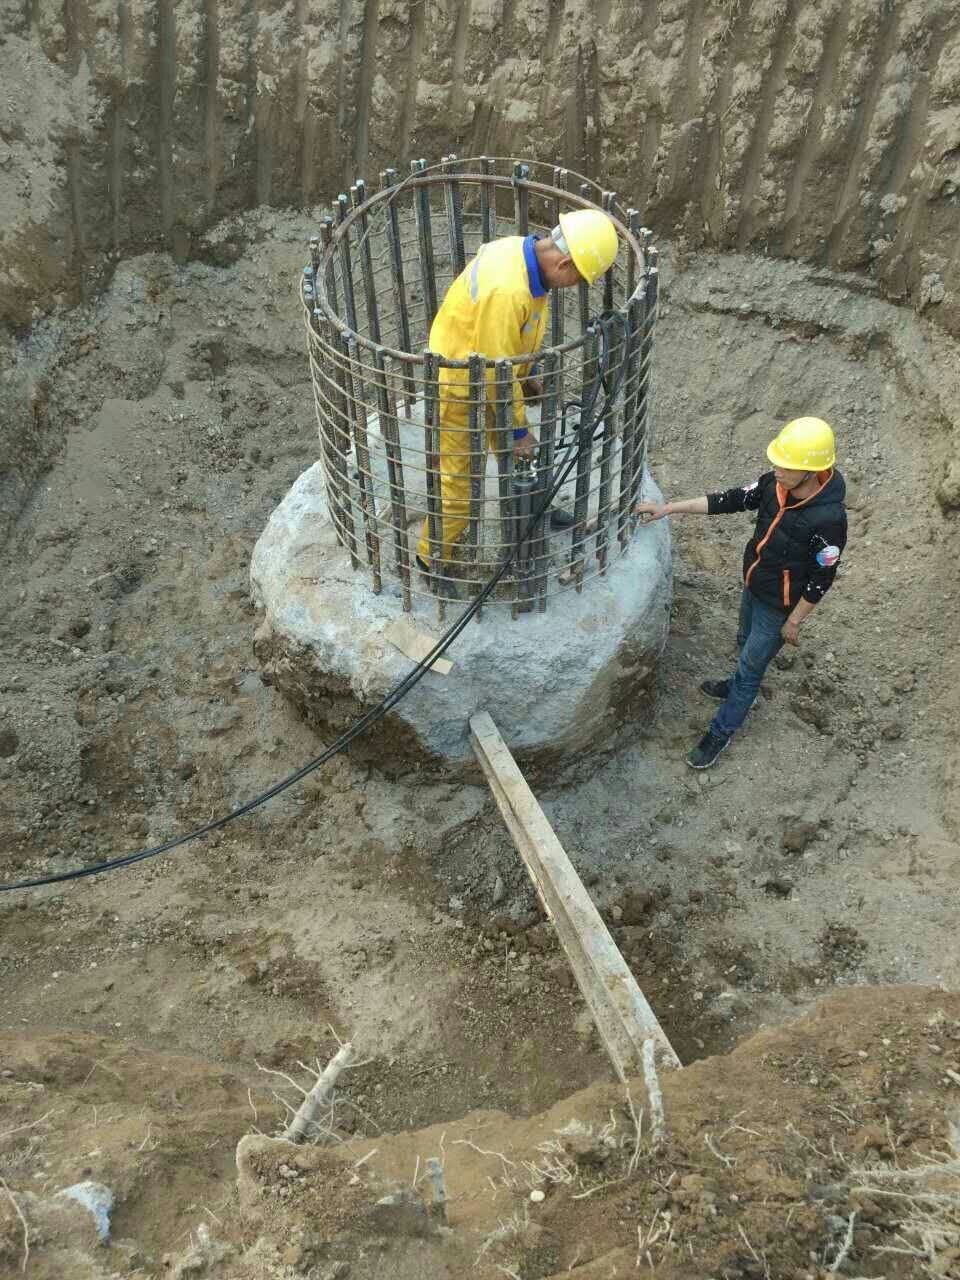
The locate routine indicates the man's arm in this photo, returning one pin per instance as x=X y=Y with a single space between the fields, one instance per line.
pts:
x=650 y=511
x=825 y=552
x=744 y=498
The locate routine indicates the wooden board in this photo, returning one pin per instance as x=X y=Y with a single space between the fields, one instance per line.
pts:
x=623 y=1016
x=415 y=644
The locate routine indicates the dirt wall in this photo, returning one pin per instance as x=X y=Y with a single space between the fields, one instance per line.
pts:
x=827 y=130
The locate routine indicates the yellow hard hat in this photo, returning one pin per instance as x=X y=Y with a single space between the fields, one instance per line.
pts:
x=805 y=444
x=591 y=239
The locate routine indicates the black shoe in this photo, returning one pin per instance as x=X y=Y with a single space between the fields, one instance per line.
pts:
x=427 y=574
x=719 y=689
x=705 y=753
x=561 y=518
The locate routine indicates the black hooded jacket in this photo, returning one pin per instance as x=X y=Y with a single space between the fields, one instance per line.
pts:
x=795 y=546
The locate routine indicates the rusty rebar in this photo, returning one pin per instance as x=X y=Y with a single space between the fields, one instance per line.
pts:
x=476 y=427
x=431 y=449
x=428 y=278
x=583 y=289
x=336 y=442
x=521 y=199
x=560 y=178
x=346 y=263
x=330 y=275
x=350 y=352
x=584 y=460
x=616 y=353
x=358 y=197
x=487 y=223
x=390 y=431
x=504 y=437
x=633 y=222
x=364 y=272
x=549 y=412
x=388 y=179
x=636 y=313
x=454 y=206
x=609 y=199
x=643 y=385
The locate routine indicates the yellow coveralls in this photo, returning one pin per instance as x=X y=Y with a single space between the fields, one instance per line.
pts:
x=489 y=309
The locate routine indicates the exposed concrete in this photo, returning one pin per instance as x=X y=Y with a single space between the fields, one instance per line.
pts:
x=557 y=683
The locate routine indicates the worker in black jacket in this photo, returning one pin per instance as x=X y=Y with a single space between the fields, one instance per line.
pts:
x=788 y=566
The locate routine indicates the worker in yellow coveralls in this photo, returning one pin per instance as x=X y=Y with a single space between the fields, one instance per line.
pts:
x=497 y=307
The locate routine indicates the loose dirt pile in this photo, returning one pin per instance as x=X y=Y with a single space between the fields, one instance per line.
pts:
x=820 y=1147
x=822 y=851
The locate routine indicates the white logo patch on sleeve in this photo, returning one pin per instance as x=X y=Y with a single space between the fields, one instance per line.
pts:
x=828 y=557
x=749 y=488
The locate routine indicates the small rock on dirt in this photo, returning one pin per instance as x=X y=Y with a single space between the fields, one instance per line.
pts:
x=798 y=835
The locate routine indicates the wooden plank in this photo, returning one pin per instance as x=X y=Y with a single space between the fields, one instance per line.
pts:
x=623 y=1016
x=414 y=644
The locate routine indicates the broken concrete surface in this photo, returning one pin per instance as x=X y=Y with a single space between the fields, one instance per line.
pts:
x=558 y=684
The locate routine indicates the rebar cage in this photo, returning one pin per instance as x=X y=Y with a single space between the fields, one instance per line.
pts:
x=379 y=270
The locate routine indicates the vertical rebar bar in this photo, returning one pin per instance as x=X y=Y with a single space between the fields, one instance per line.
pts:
x=560 y=177
x=454 y=203
x=336 y=446
x=633 y=222
x=548 y=435
x=486 y=223
x=428 y=278
x=388 y=179
x=431 y=449
x=504 y=433
x=477 y=424
x=521 y=198
x=350 y=352
x=330 y=275
x=584 y=459
x=643 y=385
x=307 y=291
x=583 y=289
x=636 y=313
x=390 y=430
x=616 y=354
x=609 y=198
x=346 y=263
x=358 y=194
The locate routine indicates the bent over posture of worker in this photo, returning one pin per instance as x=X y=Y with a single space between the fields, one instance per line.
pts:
x=788 y=565
x=497 y=307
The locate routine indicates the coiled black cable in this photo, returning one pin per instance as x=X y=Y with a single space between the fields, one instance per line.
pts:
x=589 y=416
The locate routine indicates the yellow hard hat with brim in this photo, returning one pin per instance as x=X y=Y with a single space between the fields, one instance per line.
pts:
x=592 y=241
x=805 y=444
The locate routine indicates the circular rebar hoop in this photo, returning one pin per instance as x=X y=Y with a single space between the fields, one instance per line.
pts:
x=417 y=450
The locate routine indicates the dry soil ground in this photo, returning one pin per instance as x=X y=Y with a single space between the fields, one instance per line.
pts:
x=822 y=851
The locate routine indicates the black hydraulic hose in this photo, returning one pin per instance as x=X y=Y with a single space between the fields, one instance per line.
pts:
x=587 y=420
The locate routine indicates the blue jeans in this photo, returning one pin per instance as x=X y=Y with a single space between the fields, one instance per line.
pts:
x=758 y=635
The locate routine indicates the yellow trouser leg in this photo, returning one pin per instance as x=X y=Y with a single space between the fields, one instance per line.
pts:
x=454 y=479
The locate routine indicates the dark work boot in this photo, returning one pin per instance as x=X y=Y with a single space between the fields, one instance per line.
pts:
x=707 y=751
x=719 y=689
x=561 y=518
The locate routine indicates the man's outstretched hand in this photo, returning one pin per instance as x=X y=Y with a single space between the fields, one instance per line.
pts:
x=650 y=511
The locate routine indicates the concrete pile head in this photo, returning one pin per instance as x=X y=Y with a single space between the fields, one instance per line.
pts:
x=568 y=638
